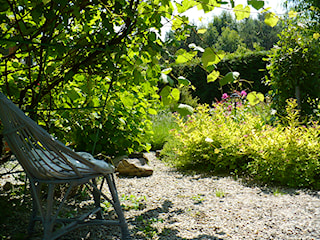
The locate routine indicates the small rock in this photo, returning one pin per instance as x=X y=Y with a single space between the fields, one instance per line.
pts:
x=134 y=167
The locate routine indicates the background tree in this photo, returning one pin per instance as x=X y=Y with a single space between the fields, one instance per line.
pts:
x=229 y=41
x=309 y=9
x=224 y=32
x=294 y=62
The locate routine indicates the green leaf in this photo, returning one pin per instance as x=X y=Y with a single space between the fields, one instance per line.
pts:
x=73 y=94
x=165 y=92
x=182 y=80
x=292 y=14
x=137 y=76
x=254 y=98
x=229 y=78
x=202 y=31
x=271 y=19
x=166 y=71
x=166 y=95
x=152 y=111
x=241 y=12
x=165 y=79
x=213 y=76
x=79 y=77
x=175 y=93
x=46 y=1
x=256 y=4
x=36 y=14
x=316 y=36
x=185 y=5
x=178 y=22
x=207 y=5
x=184 y=109
x=210 y=57
x=127 y=99
x=15 y=64
x=183 y=56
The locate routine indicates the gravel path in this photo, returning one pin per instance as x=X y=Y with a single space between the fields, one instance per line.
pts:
x=194 y=207
x=172 y=206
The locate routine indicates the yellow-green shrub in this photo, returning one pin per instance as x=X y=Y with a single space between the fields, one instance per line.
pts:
x=219 y=140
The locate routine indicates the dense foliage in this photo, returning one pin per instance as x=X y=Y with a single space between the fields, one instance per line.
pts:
x=308 y=9
x=251 y=65
x=228 y=140
x=88 y=70
x=97 y=61
x=295 y=69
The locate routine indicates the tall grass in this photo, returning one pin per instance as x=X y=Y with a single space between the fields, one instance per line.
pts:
x=162 y=124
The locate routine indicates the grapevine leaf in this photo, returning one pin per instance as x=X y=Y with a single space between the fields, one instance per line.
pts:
x=185 y=5
x=229 y=78
x=316 y=36
x=210 y=57
x=165 y=79
x=166 y=71
x=213 y=76
x=292 y=14
x=184 y=109
x=271 y=19
x=254 y=98
x=241 y=12
x=202 y=31
x=182 y=80
x=183 y=56
x=175 y=93
x=256 y=4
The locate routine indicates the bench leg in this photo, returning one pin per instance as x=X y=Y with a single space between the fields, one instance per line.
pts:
x=125 y=235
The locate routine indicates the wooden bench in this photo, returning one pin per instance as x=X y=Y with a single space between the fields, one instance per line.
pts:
x=49 y=163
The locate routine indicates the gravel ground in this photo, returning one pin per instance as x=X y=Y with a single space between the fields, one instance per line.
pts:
x=170 y=205
x=197 y=207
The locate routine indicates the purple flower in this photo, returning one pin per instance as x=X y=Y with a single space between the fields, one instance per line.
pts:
x=243 y=93
x=225 y=96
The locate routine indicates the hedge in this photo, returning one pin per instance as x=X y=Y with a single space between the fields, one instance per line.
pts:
x=251 y=67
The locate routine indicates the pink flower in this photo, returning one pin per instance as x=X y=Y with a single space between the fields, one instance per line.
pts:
x=239 y=104
x=243 y=93
x=225 y=96
x=229 y=108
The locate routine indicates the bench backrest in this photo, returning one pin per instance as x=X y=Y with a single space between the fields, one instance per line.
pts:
x=41 y=155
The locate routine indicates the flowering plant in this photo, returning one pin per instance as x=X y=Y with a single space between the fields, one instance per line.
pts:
x=233 y=101
x=211 y=140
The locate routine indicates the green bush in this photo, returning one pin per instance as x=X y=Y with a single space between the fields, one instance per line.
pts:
x=224 y=141
x=118 y=128
x=295 y=69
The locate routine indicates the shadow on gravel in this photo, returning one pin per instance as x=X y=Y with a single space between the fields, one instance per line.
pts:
x=145 y=225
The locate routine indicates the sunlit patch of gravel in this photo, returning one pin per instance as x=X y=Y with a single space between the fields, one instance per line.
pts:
x=170 y=205
x=182 y=206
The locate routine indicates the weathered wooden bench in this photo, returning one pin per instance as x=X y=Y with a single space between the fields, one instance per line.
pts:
x=47 y=162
